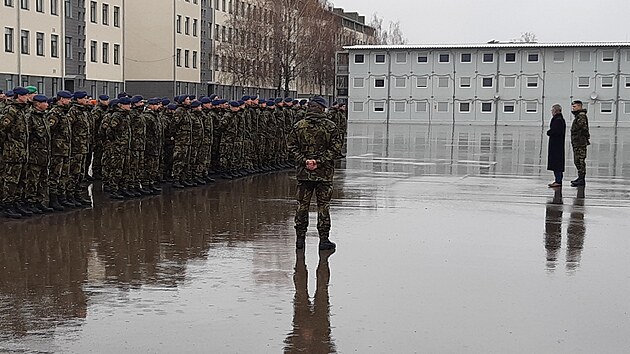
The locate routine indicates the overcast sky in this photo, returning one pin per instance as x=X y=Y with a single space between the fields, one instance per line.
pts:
x=466 y=21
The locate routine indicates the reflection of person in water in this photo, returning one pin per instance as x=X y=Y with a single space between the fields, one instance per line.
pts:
x=553 y=228
x=576 y=231
x=311 y=322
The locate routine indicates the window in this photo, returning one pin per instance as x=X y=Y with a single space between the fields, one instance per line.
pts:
x=508 y=107
x=584 y=81
x=194 y=27
x=186 y=58
x=444 y=58
x=584 y=56
x=422 y=82
x=68 y=47
x=54 y=46
x=217 y=34
x=67 y=8
x=93 y=11
x=379 y=82
x=423 y=58
x=379 y=58
x=464 y=107
x=39 y=41
x=608 y=56
x=194 y=59
x=105 y=15
x=510 y=57
x=486 y=82
x=466 y=58
x=626 y=108
x=24 y=41
x=486 y=107
x=39 y=5
x=357 y=106
x=509 y=82
x=531 y=107
x=178 y=57
x=605 y=107
x=488 y=57
x=116 y=16
x=443 y=81
x=8 y=40
x=8 y=3
x=54 y=7
x=627 y=79
x=105 y=51
x=532 y=57
x=401 y=58
x=187 y=25
x=442 y=106
x=358 y=82
x=400 y=107
x=359 y=58
x=607 y=81
x=558 y=56
x=116 y=54
x=24 y=4
x=532 y=82
x=400 y=82
x=178 y=24
x=93 y=51
x=379 y=106
x=422 y=106
x=464 y=82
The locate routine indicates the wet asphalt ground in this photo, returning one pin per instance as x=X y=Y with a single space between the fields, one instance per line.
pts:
x=449 y=241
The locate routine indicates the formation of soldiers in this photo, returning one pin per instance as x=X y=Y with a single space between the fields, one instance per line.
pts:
x=52 y=148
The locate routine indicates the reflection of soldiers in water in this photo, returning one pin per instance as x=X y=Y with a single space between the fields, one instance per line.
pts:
x=311 y=322
x=575 y=231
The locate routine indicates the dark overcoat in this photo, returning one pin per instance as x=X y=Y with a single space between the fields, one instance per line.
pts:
x=556 y=133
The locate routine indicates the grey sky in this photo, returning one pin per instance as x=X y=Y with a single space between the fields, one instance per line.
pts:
x=465 y=21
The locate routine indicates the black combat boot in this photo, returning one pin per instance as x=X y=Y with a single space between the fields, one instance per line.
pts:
x=227 y=175
x=83 y=201
x=209 y=179
x=22 y=210
x=34 y=209
x=200 y=181
x=178 y=185
x=146 y=191
x=156 y=188
x=44 y=208
x=54 y=203
x=581 y=181
x=72 y=202
x=326 y=244
x=114 y=195
x=9 y=212
x=300 y=241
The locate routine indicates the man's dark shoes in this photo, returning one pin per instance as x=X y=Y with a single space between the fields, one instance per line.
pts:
x=178 y=185
x=300 y=242
x=114 y=195
x=555 y=185
x=326 y=244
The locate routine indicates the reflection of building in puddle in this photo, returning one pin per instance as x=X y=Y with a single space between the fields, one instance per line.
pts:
x=576 y=231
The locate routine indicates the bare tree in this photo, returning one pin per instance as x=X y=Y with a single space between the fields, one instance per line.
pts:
x=528 y=37
x=391 y=35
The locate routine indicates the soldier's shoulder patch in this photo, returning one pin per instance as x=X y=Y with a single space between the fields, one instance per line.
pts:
x=6 y=121
x=52 y=120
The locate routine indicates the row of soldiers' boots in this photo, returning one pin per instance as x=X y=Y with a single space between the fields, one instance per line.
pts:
x=256 y=170
x=193 y=182
x=21 y=210
x=132 y=193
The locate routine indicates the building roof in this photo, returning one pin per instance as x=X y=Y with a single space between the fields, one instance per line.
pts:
x=489 y=45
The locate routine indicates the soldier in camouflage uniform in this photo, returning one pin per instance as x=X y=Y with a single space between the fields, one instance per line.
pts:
x=227 y=127
x=118 y=134
x=137 y=148
x=181 y=128
x=205 y=154
x=580 y=139
x=14 y=131
x=98 y=112
x=314 y=142
x=3 y=100
x=166 y=162
x=36 y=185
x=196 y=118
x=106 y=144
x=153 y=148
x=282 y=136
x=79 y=148
x=60 y=137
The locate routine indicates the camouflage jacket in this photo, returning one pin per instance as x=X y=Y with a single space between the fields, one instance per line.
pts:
x=227 y=125
x=580 y=135
x=280 y=122
x=196 y=119
x=14 y=132
x=208 y=127
x=80 y=127
x=60 y=130
x=138 y=130
x=118 y=129
x=166 y=117
x=314 y=138
x=181 y=127
x=154 y=133
x=98 y=113
x=38 y=138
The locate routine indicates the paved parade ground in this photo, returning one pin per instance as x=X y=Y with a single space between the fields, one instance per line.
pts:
x=449 y=241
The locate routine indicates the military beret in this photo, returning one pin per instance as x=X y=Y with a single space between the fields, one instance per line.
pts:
x=205 y=100
x=246 y=98
x=64 y=94
x=103 y=98
x=335 y=103
x=241 y=102
x=165 y=101
x=216 y=102
x=182 y=98
x=195 y=104
x=320 y=100
x=123 y=94
x=235 y=104
x=271 y=103
x=278 y=100
x=154 y=100
x=31 y=89
x=296 y=101
x=192 y=97
x=124 y=100
x=172 y=106
x=40 y=98
x=223 y=101
x=136 y=98
x=113 y=102
x=51 y=100
x=10 y=93
x=213 y=96
x=288 y=99
x=79 y=95
x=303 y=102
x=20 y=91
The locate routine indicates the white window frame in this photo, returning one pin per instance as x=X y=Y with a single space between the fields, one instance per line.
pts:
x=442 y=79
x=481 y=105
x=580 y=85
x=461 y=58
x=509 y=104
x=555 y=60
x=438 y=104
x=377 y=55
x=505 y=81
x=424 y=78
x=612 y=81
x=601 y=108
x=379 y=103
x=464 y=111
x=397 y=104
x=532 y=82
x=354 y=106
x=422 y=55
x=626 y=107
x=401 y=62
x=507 y=61
x=355 y=58
x=440 y=58
x=527 y=110
x=354 y=82
x=608 y=59
x=379 y=78
x=483 y=82
x=396 y=82
x=426 y=106
x=580 y=52
x=483 y=57
x=461 y=82
x=533 y=53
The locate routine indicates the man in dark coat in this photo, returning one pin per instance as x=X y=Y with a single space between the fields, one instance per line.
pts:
x=555 y=155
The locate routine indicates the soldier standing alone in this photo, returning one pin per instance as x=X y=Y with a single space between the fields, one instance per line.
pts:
x=580 y=139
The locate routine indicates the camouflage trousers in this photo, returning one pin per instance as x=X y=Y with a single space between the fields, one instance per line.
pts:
x=249 y=154
x=12 y=175
x=215 y=162
x=193 y=162
x=204 y=156
x=77 y=173
x=225 y=155
x=88 y=161
x=181 y=160
x=136 y=168
x=579 y=158
x=36 y=183
x=237 y=155
x=115 y=164
x=166 y=161
x=97 y=163
x=151 y=169
x=323 y=193
x=58 y=178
